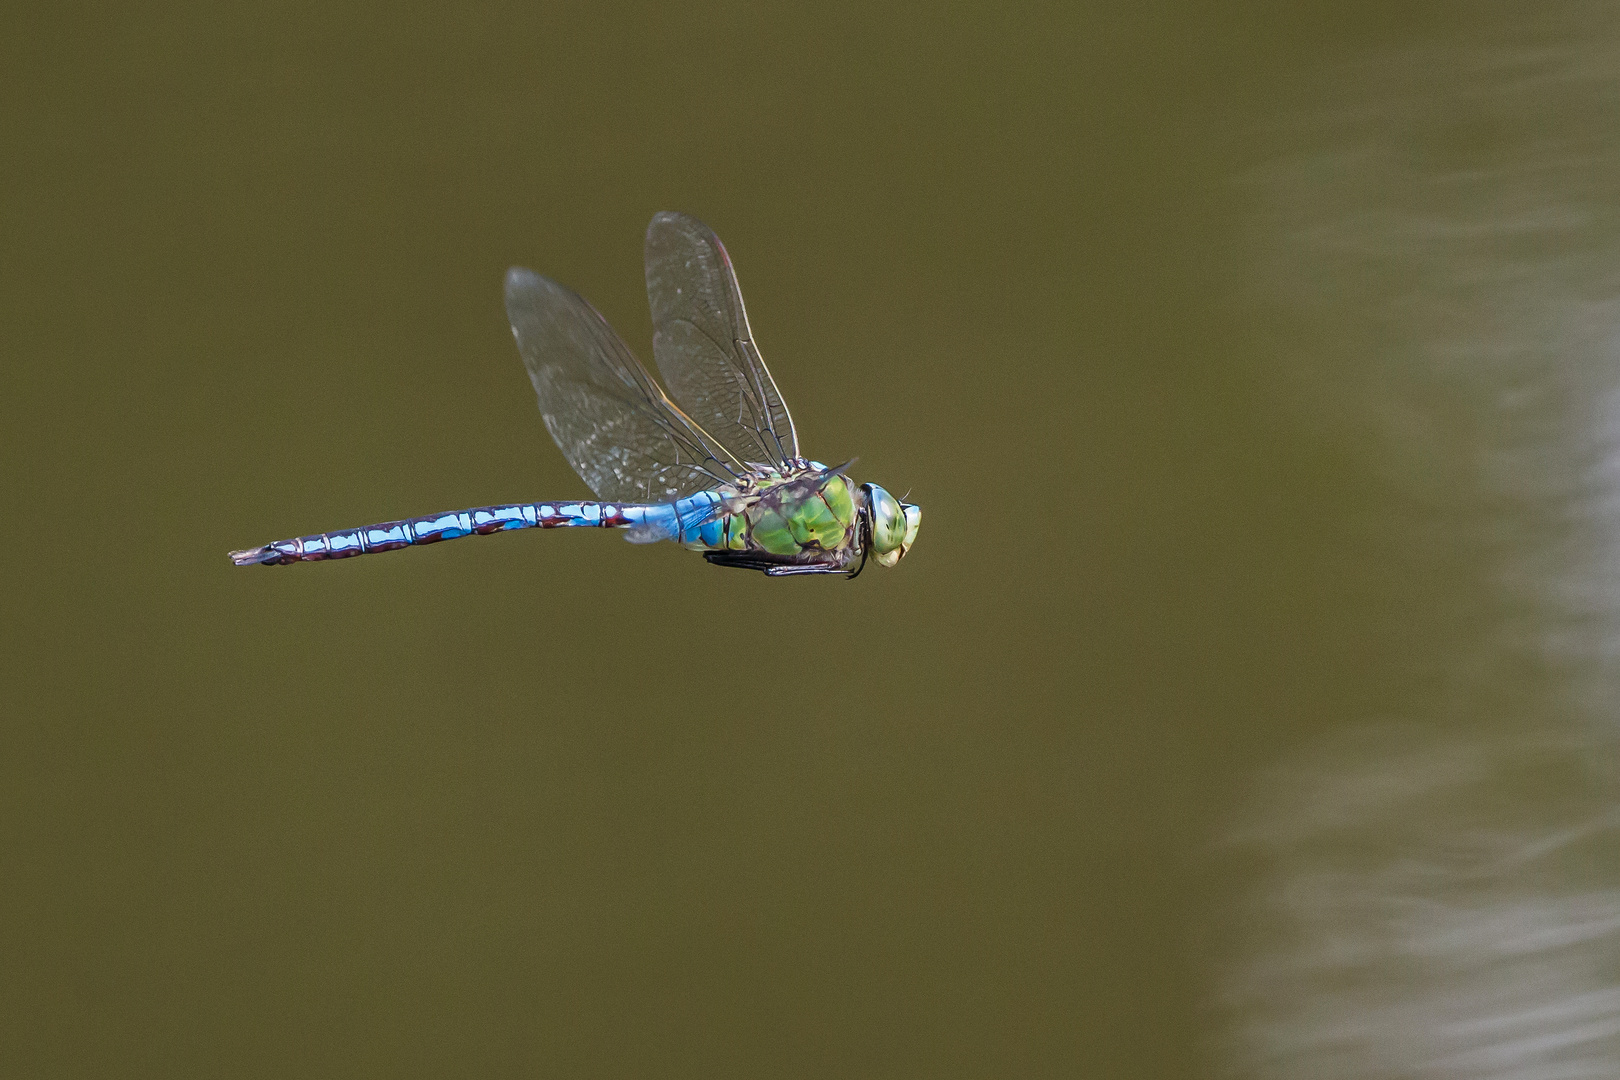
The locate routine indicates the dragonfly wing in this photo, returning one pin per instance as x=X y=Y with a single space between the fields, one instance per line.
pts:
x=704 y=348
x=613 y=423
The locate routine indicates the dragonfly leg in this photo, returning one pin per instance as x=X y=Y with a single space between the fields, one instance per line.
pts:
x=774 y=565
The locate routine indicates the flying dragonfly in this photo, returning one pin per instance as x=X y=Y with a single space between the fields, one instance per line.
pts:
x=712 y=463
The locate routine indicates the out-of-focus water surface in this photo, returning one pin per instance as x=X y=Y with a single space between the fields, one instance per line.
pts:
x=1246 y=708
x=1433 y=891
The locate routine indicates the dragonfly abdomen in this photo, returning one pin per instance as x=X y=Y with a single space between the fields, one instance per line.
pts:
x=655 y=521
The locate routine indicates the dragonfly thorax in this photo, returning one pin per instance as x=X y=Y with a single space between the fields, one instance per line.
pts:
x=805 y=514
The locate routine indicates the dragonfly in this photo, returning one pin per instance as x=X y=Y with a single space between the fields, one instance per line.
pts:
x=711 y=463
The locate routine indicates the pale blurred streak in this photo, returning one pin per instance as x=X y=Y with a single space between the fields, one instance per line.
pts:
x=1437 y=894
x=1410 y=920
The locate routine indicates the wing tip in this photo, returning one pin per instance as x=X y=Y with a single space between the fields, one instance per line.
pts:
x=679 y=219
x=518 y=277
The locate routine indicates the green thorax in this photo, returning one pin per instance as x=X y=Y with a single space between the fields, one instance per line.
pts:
x=806 y=511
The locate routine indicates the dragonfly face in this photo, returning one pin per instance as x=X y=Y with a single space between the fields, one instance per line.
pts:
x=891 y=525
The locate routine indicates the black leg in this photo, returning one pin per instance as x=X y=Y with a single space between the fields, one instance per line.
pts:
x=774 y=565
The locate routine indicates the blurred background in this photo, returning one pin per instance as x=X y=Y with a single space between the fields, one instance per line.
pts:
x=1246 y=708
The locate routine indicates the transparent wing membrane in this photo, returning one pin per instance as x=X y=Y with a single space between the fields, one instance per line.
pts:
x=703 y=345
x=612 y=421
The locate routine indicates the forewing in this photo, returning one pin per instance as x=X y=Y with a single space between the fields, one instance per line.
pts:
x=610 y=419
x=703 y=346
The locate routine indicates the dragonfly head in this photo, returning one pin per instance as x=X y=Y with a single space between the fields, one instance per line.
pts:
x=891 y=525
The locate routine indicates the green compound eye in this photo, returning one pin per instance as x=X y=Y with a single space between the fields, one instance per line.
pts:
x=888 y=520
x=894 y=524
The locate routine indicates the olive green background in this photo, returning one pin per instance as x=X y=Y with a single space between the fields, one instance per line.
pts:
x=556 y=805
